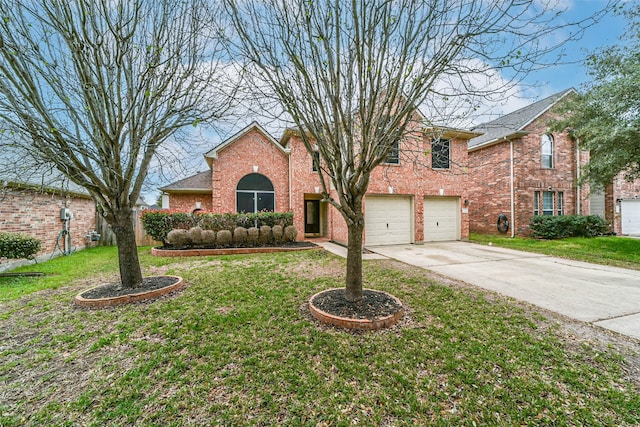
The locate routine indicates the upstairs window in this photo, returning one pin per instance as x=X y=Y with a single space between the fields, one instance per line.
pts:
x=547 y=151
x=394 y=155
x=440 y=154
x=315 y=161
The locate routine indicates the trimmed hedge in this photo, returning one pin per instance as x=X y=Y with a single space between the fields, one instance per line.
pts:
x=18 y=245
x=558 y=227
x=159 y=223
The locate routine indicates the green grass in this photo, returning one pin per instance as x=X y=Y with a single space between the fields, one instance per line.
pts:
x=238 y=347
x=615 y=251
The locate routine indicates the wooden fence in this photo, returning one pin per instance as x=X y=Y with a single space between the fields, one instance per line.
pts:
x=108 y=237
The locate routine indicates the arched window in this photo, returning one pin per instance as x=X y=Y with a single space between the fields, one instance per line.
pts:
x=254 y=193
x=547 y=151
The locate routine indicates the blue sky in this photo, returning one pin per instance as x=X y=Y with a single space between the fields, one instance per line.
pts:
x=603 y=34
x=540 y=84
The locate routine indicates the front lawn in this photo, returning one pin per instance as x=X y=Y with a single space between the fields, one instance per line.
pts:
x=238 y=347
x=610 y=250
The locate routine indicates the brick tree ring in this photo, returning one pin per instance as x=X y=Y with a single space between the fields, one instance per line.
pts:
x=112 y=294
x=375 y=311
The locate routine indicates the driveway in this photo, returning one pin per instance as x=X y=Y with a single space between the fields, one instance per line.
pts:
x=605 y=296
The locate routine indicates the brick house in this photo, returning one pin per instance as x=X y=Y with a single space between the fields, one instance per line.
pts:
x=518 y=168
x=410 y=199
x=33 y=204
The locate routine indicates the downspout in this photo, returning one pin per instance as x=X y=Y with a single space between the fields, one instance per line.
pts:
x=578 y=187
x=290 y=180
x=513 y=209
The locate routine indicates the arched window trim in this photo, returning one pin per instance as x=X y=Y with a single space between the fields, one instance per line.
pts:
x=546 y=148
x=256 y=193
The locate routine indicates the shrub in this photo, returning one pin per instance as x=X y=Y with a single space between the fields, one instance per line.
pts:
x=290 y=233
x=253 y=236
x=559 y=227
x=240 y=236
x=159 y=223
x=224 y=238
x=278 y=233
x=208 y=238
x=195 y=235
x=266 y=236
x=178 y=237
x=19 y=245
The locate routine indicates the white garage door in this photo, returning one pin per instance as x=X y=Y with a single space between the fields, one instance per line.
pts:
x=441 y=219
x=630 y=213
x=387 y=220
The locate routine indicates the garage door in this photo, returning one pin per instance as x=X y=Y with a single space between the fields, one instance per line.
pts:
x=441 y=219
x=630 y=214
x=387 y=220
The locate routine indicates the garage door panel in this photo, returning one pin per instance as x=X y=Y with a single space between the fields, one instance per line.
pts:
x=441 y=219
x=387 y=220
x=630 y=215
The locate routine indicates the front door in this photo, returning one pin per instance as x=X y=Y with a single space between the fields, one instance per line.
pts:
x=312 y=216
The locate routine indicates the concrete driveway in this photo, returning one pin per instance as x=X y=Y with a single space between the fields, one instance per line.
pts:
x=605 y=296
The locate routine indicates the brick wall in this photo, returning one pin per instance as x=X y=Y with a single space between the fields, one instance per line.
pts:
x=185 y=202
x=490 y=179
x=412 y=177
x=240 y=158
x=620 y=189
x=38 y=214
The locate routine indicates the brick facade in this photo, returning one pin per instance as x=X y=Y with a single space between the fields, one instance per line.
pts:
x=621 y=189
x=252 y=152
x=187 y=202
x=38 y=214
x=289 y=167
x=490 y=179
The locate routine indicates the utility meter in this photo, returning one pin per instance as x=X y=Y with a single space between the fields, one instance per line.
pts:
x=66 y=214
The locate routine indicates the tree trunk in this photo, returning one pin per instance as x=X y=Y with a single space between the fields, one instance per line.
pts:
x=130 y=272
x=354 y=260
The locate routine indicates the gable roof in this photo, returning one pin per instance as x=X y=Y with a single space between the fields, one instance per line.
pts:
x=198 y=183
x=512 y=125
x=213 y=153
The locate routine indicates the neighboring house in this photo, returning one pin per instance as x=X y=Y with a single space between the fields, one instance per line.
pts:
x=34 y=200
x=410 y=199
x=518 y=168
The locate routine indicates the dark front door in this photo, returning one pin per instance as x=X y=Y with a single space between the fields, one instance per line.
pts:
x=312 y=216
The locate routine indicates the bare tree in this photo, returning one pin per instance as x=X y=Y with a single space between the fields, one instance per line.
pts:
x=95 y=87
x=352 y=73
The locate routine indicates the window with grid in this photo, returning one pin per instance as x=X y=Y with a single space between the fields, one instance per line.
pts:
x=560 y=202
x=547 y=151
x=547 y=203
x=394 y=155
x=440 y=154
x=536 y=203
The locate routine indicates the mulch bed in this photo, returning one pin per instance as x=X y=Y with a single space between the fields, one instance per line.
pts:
x=373 y=305
x=112 y=290
x=301 y=244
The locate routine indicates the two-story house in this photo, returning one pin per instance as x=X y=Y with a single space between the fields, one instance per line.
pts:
x=411 y=198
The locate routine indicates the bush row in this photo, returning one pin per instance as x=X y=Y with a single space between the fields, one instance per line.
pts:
x=18 y=245
x=158 y=224
x=559 y=227
x=196 y=237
